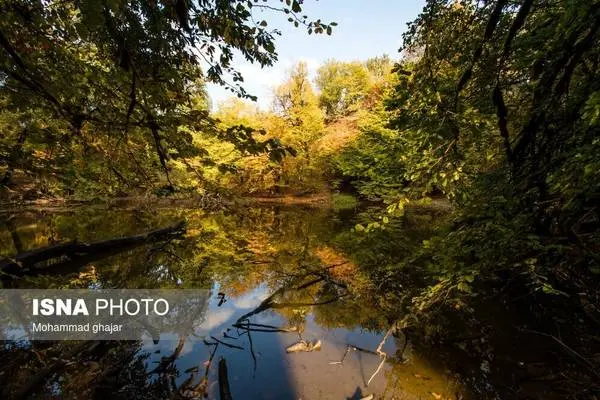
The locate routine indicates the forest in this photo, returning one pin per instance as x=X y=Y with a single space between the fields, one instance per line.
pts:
x=463 y=172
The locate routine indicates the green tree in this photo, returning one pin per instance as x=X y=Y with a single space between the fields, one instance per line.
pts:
x=117 y=80
x=299 y=126
x=379 y=67
x=495 y=105
x=342 y=86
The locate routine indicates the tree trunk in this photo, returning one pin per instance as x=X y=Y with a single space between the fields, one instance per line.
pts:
x=34 y=261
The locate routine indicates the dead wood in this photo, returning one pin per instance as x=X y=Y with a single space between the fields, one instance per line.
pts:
x=34 y=261
x=224 y=391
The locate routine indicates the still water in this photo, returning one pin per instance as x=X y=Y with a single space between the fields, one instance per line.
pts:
x=292 y=313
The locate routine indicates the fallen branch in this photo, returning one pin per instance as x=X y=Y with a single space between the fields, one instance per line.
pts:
x=383 y=359
x=264 y=328
x=166 y=362
x=298 y=305
x=381 y=353
x=264 y=305
x=341 y=362
x=269 y=302
x=348 y=348
x=31 y=262
x=378 y=352
x=187 y=389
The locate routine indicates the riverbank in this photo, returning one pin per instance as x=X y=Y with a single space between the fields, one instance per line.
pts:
x=324 y=199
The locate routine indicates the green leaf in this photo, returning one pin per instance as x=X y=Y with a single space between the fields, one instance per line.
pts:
x=464 y=287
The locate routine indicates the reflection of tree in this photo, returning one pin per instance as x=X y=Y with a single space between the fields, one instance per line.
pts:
x=80 y=365
x=301 y=292
x=100 y=369
x=309 y=264
x=12 y=228
x=237 y=249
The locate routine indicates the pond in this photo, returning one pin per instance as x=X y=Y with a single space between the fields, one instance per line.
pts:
x=281 y=279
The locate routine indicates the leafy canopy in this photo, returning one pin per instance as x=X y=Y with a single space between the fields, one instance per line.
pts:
x=113 y=77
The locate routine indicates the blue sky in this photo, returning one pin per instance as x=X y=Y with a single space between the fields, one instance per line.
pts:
x=366 y=28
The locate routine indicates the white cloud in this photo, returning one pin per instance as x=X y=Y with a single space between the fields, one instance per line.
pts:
x=216 y=318
x=250 y=300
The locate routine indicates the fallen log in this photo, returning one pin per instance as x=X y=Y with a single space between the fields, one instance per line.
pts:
x=33 y=261
x=224 y=390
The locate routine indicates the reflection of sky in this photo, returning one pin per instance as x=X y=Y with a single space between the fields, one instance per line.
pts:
x=270 y=377
x=278 y=374
x=16 y=333
x=216 y=318
x=252 y=299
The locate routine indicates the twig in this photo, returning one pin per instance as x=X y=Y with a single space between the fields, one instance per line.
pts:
x=381 y=353
x=264 y=305
x=297 y=305
x=363 y=350
x=336 y=265
x=233 y=346
x=341 y=362
x=251 y=350
x=387 y=334
x=310 y=283
x=378 y=369
x=378 y=352
x=165 y=362
x=267 y=328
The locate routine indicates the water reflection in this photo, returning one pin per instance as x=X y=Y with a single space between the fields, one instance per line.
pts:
x=279 y=277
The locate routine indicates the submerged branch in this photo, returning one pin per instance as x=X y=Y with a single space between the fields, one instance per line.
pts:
x=382 y=353
x=32 y=262
x=378 y=352
x=264 y=328
x=233 y=346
